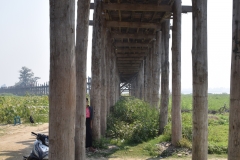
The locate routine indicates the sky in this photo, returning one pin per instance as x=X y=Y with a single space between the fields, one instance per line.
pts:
x=24 y=41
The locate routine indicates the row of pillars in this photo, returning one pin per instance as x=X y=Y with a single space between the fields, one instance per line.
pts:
x=68 y=83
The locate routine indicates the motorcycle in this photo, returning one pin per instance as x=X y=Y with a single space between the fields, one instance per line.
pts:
x=40 y=148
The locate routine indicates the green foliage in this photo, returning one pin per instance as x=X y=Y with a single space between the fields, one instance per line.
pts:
x=11 y=106
x=185 y=143
x=101 y=143
x=132 y=120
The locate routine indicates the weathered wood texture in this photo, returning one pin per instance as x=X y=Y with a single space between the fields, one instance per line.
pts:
x=145 y=79
x=176 y=74
x=200 y=81
x=108 y=68
x=103 y=82
x=164 y=77
x=96 y=70
x=112 y=77
x=62 y=97
x=149 y=76
x=156 y=71
x=234 y=116
x=141 y=74
x=81 y=58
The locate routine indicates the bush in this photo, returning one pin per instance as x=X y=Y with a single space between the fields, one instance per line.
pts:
x=11 y=106
x=132 y=120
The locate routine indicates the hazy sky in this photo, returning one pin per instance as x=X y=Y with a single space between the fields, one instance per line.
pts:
x=24 y=41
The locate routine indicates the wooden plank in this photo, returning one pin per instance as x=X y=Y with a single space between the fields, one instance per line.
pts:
x=129 y=58
x=130 y=62
x=128 y=65
x=136 y=7
x=122 y=44
x=131 y=55
x=133 y=24
x=133 y=36
x=186 y=9
x=117 y=50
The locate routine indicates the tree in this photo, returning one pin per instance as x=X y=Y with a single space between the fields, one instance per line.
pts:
x=26 y=78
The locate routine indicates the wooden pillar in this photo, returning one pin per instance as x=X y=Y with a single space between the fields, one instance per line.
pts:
x=145 y=79
x=156 y=71
x=112 y=77
x=81 y=59
x=108 y=60
x=164 y=77
x=95 y=95
x=200 y=80
x=234 y=115
x=103 y=83
x=176 y=73
x=141 y=88
x=62 y=98
x=149 y=76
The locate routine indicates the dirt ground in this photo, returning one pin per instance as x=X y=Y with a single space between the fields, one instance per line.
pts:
x=16 y=141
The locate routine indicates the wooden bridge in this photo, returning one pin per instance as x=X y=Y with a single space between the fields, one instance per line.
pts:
x=130 y=50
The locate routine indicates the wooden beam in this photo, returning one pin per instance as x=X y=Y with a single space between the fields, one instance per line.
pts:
x=186 y=9
x=131 y=50
x=128 y=65
x=129 y=59
x=136 y=7
x=130 y=62
x=133 y=36
x=133 y=24
x=131 y=55
x=122 y=44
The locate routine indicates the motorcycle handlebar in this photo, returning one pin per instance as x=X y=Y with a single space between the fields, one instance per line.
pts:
x=34 y=133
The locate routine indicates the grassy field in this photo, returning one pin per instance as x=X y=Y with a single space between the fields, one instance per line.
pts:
x=132 y=127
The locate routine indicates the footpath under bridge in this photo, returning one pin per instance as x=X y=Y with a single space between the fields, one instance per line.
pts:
x=130 y=49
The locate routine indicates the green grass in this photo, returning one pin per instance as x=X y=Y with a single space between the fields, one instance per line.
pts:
x=217 y=126
x=133 y=126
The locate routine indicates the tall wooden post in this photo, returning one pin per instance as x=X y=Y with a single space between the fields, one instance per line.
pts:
x=108 y=61
x=234 y=116
x=62 y=97
x=145 y=79
x=176 y=73
x=103 y=83
x=112 y=77
x=141 y=89
x=156 y=70
x=96 y=69
x=81 y=58
x=164 y=77
x=149 y=76
x=200 y=80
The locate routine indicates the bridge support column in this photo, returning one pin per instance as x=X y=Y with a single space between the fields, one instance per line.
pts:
x=96 y=69
x=62 y=97
x=112 y=77
x=145 y=79
x=200 y=80
x=156 y=71
x=164 y=76
x=149 y=76
x=176 y=73
x=234 y=116
x=81 y=59
x=103 y=81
